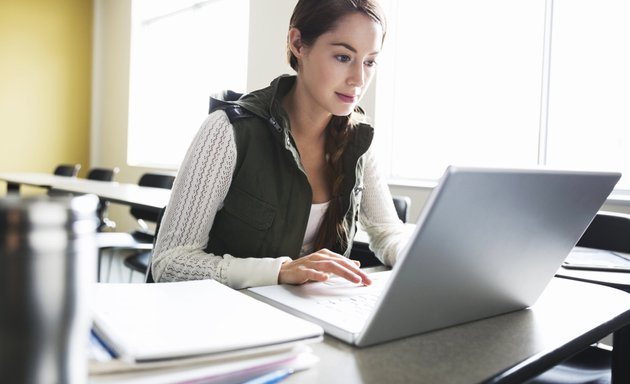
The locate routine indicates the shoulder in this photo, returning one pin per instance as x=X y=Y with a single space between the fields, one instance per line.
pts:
x=233 y=111
x=231 y=126
x=363 y=130
x=216 y=121
x=360 y=140
x=216 y=130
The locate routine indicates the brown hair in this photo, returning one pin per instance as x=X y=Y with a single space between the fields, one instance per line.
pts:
x=314 y=18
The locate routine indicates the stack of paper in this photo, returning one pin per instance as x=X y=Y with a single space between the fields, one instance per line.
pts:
x=597 y=259
x=197 y=330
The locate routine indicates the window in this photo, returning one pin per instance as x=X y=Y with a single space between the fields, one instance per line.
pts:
x=589 y=90
x=182 y=52
x=504 y=83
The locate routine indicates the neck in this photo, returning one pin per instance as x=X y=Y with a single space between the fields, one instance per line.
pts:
x=308 y=120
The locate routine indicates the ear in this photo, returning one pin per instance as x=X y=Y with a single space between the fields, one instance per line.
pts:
x=295 y=42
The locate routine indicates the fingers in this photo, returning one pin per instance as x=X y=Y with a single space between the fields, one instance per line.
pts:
x=315 y=275
x=346 y=268
x=319 y=265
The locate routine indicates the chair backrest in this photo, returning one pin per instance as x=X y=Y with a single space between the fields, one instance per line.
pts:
x=402 y=203
x=70 y=170
x=103 y=174
x=609 y=231
x=155 y=180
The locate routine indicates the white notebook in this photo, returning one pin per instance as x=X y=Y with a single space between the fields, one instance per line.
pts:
x=148 y=322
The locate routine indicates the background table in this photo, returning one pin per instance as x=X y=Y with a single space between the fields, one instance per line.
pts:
x=122 y=193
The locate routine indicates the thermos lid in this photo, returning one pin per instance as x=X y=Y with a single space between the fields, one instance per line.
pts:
x=77 y=215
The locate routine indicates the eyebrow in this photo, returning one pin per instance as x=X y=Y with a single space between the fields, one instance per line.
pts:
x=350 y=47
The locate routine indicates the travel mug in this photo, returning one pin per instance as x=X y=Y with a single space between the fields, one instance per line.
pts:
x=47 y=263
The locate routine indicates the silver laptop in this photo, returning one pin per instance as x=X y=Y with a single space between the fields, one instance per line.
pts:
x=487 y=242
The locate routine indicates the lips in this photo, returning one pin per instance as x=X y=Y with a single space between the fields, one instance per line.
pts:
x=346 y=98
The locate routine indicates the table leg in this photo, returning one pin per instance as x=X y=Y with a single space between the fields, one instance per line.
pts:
x=621 y=356
x=13 y=188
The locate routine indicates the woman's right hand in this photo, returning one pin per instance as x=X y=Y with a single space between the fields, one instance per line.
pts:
x=318 y=266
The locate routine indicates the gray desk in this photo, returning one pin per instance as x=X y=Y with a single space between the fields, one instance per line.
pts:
x=619 y=280
x=122 y=193
x=509 y=348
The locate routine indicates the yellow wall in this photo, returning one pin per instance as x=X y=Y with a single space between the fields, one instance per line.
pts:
x=45 y=84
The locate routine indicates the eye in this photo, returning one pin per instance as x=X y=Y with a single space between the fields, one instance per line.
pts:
x=342 y=58
x=370 y=63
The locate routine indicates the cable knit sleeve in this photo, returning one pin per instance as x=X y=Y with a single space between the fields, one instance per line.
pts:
x=199 y=190
x=377 y=215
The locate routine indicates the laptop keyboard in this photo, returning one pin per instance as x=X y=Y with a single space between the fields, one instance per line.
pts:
x=353 y=308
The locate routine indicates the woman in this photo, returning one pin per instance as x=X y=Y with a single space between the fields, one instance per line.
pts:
x=272 y=185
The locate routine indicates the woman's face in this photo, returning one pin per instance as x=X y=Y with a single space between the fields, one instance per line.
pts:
x=338 y=68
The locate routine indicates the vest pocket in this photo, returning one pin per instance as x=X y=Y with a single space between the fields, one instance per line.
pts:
x=240 y=228
x=250 y=209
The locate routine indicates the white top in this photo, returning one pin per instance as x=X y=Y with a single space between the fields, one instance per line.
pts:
x=314 y=221
x=200 y=188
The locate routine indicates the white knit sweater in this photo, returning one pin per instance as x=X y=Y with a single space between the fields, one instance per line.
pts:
x=200 y=188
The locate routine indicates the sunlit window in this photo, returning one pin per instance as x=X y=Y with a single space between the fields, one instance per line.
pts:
x=504 y=83
x=589 y=92
x=182 y=52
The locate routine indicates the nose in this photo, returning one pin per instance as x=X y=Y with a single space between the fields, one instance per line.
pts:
x=356 y=77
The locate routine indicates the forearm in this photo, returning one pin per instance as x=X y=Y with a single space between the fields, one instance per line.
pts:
x=181 y=265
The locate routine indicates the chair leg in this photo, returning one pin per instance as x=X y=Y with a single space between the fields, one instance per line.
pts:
x=109 y=265
x=130 y=274
x=621 y=351
x=99 y=259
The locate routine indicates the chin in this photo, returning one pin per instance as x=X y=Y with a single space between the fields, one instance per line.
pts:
x=343 y=111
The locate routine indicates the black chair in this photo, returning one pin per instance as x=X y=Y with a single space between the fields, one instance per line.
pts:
x=103 y=174
x=402 y=203
x=70 y=170
x=100 y=174
x=142 y=215
x=141 y=239
x=362 y=252
x=608 y=231
x=66 y=170
x=141 y=262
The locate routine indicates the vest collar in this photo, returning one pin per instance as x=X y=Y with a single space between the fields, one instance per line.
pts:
x=266 y=102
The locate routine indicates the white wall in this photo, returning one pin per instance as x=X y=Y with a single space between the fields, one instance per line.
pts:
x=269 y=23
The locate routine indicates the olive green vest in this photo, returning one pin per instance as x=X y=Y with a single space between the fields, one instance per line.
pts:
x=266 y=209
